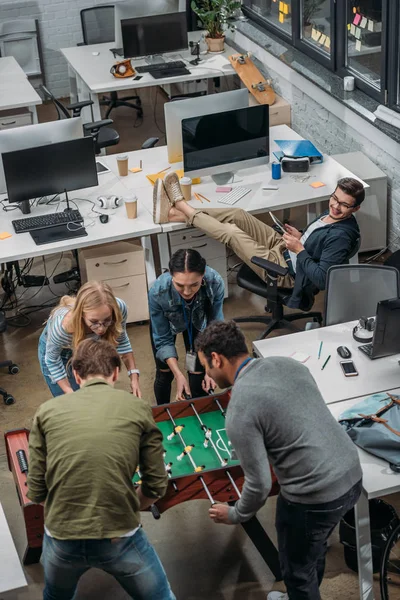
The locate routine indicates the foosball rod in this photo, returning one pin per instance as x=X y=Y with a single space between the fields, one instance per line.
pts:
x=221 y=460
x=182 y=440
x=153 y=508
x=207 y=491
x=235 y=487
x=220 y=407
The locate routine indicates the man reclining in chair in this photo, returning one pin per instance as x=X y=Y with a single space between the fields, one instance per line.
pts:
x=327 y=241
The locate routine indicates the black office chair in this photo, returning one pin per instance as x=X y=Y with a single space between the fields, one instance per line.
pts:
x=13 y=369
x=277 y=297
x=97 y=28
x=102 y=134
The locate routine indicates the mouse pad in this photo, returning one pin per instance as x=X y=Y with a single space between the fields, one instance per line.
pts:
x=57 y=233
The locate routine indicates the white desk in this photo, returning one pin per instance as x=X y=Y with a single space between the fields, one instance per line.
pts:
x=374 y=375
x=90 y=75
x=11 y=572
x=378 y=480
x=15 y=89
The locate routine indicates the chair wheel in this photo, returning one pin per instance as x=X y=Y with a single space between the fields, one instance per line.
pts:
x=8 y=399
x=13 y=369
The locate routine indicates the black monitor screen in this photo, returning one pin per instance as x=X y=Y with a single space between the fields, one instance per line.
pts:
x=155 y=34
x=50 y=169
x=387 y=326
x=226 y=137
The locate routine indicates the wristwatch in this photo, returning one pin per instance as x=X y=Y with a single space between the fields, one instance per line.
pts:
x=133 y=371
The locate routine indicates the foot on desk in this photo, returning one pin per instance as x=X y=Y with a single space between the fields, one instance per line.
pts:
x=173 y=188
x=161 y=203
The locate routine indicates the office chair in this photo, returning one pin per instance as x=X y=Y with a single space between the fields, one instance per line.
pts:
x=277 y=297
x=98 y=27
x=13 y=369
x=353 y=291
x=103 y=136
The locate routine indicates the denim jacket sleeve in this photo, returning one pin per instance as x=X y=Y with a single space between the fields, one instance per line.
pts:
x=219 y=293
x=162 y=335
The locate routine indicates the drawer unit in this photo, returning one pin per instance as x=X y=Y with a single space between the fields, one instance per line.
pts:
x=206 y=246
x=14 y=118
x=122 y=266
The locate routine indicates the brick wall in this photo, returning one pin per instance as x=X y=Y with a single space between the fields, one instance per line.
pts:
x=60 y=27
x=332 y=127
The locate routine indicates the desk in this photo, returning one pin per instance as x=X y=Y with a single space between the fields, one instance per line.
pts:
x=89 y=75
x=11 y=573
x=15 y=89
x=374 y=375
x=378 y=480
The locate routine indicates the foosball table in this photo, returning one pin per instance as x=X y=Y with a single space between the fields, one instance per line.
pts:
x=199 y=460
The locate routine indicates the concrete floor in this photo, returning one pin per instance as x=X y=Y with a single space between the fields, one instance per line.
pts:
x=202 y=560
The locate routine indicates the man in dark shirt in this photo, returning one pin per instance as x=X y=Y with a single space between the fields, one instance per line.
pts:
x=83 y=452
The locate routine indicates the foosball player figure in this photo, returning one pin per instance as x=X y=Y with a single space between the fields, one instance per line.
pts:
x=187 y=450
x=207 y=435
x=177 y=429
x=164 y=453
x=200 y=468
x=224 y=462
x=168 y=468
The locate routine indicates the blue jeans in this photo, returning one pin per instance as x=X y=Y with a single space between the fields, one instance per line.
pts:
x=131 y=560
x=303 y=531
x=65 y=356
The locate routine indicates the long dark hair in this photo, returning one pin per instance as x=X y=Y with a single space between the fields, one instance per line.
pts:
x=187 y=260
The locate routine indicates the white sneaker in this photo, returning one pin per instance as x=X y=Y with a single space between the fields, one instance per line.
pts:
x=173 y=188
x=277 y=596
x=161 y=204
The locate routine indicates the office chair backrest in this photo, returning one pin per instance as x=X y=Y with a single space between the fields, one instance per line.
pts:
x=353 y=291
x=98 y=24
x=61 y=110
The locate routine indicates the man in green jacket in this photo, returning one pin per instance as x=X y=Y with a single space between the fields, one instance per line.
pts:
x=83 y=452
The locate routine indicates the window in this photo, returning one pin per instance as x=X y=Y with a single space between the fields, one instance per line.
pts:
x=276 y=12
x=316 y=24
x=364 y=40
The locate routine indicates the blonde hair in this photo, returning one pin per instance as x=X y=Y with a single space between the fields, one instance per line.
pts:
x=89 y=297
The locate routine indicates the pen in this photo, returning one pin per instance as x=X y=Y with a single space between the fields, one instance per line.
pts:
x=166 y=169
x=319 y=351
x=325 y=363
x=198 y=197
x=140 y=164
x=201 y=196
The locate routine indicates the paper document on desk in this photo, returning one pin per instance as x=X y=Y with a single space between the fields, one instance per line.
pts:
x=154 y=176
x=299 y=149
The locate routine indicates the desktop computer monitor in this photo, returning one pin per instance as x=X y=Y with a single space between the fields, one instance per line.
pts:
x=143 y=8
x=40 y=134
x=194 y=107
x=386 y=340
x=52 y=169
x=156 y=34
x=219 y=144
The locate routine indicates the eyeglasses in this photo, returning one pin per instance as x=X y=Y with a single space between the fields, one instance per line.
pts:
x=341 y=204
x=97 y=324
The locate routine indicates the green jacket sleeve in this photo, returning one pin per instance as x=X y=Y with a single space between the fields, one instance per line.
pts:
x=37 y=488
x=154 y=477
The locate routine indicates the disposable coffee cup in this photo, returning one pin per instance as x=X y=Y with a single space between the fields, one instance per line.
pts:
x=122 y=161
x=186 y=187
x=131 y=207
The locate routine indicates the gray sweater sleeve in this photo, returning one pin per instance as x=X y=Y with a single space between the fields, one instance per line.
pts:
x=248 y=442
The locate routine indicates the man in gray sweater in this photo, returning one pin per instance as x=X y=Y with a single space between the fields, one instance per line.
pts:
x=277 y=415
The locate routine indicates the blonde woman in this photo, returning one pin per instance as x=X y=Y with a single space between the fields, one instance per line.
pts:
x=93 y=312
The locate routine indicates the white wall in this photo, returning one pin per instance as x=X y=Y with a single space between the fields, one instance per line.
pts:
x=60 y=27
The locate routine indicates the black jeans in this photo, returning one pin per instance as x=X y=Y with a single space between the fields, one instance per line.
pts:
x=165 y=377
x=303 y=531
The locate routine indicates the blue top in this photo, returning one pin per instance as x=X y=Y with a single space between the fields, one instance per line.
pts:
x=166 y=310
x=57 y=339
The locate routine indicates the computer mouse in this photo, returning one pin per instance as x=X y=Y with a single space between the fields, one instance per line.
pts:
x=95 y=53
x=344 y=352
x=104 y=219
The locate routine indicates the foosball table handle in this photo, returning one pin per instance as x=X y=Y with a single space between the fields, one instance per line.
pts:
x=22 y=460
x=154 y=511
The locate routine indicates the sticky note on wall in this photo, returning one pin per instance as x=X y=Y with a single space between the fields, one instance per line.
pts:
x=358 y=33
x=363 y=23
x=281 y=17
x=357 y=19
x=352 y=29
x=358 y=46
x=285 y=8
x=281 y=7
x=322 y=39
x=327 y=42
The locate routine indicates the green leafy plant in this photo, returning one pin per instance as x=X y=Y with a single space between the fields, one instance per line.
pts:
x=215 y=15
x=310 y=8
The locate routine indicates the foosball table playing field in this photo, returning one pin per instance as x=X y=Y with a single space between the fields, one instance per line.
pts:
x=199 y=460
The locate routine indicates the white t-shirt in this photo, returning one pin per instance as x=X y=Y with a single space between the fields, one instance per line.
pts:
x=316 y=225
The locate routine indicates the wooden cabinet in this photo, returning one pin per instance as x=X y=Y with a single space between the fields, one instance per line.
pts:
x=122 y=266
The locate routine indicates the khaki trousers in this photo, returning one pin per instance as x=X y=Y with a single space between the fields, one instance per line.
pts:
x=246 y=235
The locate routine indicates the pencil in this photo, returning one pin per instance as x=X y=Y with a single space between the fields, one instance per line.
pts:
x=319 y=351
x=201 y=195
x=198 y=197
x=325 y=363
x=166 y=169
x=140 y=164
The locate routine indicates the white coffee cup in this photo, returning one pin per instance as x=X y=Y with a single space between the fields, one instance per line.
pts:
x=131 y=206
x=348 y=83
x=122 y=161
x=186 y=187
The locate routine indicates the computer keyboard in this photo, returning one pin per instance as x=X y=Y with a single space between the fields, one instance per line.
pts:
x=234 y=196
x=44 y=221
x=165 y=66
x=367 y=349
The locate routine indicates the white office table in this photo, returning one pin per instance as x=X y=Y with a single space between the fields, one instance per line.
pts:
x=11 y=572
x=89 y=72
x=374 y=375
x=378 y=480
x=15 y=89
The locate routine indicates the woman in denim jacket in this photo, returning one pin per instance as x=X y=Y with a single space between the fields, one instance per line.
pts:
x=184 y=300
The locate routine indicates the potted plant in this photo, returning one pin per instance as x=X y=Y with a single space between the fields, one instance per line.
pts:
x=214 y=15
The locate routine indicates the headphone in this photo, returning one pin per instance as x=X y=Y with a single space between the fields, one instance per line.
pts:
x=109 y=202
x=363 y=332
